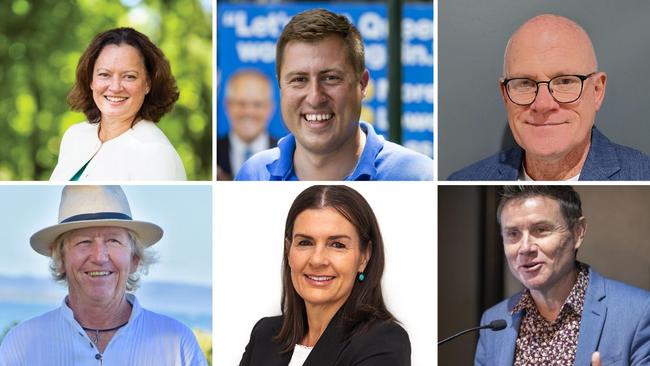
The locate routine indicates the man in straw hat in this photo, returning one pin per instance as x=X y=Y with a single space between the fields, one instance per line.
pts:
x=99 y=251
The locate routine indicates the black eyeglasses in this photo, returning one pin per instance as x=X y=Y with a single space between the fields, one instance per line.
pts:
x=563 y=88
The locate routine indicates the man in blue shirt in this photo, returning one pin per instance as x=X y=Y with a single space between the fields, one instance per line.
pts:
x=322 y=78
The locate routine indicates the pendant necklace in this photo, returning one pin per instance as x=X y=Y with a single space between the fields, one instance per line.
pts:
x=97 y=331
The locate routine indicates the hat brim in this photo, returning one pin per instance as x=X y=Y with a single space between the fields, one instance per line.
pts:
x=147 y=233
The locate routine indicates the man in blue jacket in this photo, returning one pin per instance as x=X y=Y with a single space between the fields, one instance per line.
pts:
x=552 y=89
x=568 y=314
x=322 y=78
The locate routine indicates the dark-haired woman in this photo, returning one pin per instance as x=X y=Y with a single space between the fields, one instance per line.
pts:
x=124 y=86
x=333 y=311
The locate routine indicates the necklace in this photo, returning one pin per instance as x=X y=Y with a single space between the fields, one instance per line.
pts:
x=97 y=331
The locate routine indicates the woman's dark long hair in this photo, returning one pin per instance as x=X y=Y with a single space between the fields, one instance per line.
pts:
x=365 y=306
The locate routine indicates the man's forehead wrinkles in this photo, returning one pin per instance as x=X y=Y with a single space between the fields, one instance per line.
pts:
x=552 y=60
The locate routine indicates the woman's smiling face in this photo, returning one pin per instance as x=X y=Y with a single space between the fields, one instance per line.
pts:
x=120 y=82
x=325 y=256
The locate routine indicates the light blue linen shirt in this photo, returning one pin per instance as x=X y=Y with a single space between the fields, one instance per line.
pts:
x=56 y=338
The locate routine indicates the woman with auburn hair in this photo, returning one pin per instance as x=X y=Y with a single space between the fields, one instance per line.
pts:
x=333 y=311
x=124 y=85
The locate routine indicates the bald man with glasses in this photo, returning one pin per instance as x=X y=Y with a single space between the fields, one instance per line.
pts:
x=552 y=89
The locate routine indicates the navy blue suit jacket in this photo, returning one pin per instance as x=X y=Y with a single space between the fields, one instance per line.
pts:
x=615 y=322
x=605 y=161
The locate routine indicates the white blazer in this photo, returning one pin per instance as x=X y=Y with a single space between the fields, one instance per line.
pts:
x=143 y=152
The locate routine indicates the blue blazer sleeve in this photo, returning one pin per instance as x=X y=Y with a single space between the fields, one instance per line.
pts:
x=615 y=321
x=641 y=342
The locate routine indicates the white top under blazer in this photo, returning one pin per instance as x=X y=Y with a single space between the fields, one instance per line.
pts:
x=143 y=152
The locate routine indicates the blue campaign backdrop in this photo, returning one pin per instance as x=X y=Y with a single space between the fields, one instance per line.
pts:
x=246 y=37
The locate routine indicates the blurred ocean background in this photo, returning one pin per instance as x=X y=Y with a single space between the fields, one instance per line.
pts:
x=24 y=297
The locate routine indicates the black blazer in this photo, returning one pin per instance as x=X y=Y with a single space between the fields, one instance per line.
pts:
x=384 y=344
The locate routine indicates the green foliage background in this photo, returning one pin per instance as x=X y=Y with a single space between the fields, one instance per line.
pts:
x=40 y=44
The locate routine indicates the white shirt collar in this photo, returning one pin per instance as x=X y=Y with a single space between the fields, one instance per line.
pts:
x=523 y=176
x=68 y=315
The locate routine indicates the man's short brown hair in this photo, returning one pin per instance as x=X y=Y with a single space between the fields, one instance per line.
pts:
x=315 y=25
x=567 y=198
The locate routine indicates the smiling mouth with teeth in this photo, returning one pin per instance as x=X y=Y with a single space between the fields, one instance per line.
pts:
x=115 y=99
x=320 y=278
x=98 y=273
x=318 y=117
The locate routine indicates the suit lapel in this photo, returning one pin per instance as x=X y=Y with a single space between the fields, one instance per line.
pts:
x=602 y=160
x=85 y=148
x=276 y=359
x=510 y=163
x=601 y=163
x=594 y=314
x=328 y=347
x=269 y=350
x=506 y=353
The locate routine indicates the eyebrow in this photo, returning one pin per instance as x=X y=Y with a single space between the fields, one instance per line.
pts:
x=536 y=223
x=552 y=75
x=331 y=237
x=123 y=72
x=321 y=72
x=331 y=70
x=294 y=73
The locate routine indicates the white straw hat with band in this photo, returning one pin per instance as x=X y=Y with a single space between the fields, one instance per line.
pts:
x=94 y=206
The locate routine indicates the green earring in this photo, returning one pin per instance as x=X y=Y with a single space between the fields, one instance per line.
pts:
x=361 y=277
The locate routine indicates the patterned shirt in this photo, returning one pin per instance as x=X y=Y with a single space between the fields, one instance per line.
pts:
x=551 y=343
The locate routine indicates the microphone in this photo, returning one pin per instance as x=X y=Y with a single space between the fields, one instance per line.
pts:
x=495 y=325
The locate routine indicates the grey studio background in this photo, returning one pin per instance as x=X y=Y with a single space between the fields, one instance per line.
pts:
x=473 y=274
x=472 y=37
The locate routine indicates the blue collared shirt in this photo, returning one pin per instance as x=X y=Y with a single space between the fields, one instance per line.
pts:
x=380 y=160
